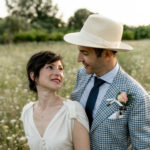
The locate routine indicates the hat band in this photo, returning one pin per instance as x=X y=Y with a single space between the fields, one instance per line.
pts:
x=98 y=40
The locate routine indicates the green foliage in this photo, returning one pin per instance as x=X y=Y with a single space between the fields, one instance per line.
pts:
x=136 y=33
x=31 y=9
x=77 y=21
x=142 y=32
x=24 y=36
x=37 y=35
x=35 y=20
x=5 y=38
x=13 y=24
x=9 y=26
x=128 y=35
x=42 y=36
x=41 y=14
x=56 y=36
x=31 y=35
x=47 y=23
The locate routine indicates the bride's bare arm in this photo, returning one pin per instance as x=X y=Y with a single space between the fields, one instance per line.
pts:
x=80 y=137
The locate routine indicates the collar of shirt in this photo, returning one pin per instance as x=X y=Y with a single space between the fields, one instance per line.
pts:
x=109 y=76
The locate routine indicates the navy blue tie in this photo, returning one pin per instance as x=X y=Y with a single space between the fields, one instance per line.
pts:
x=92 y=99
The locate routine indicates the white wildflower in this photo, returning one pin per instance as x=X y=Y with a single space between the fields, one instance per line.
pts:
x=9 y=138
x=13 y=121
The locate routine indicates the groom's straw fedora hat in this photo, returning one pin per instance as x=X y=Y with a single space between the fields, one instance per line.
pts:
x=99 y=32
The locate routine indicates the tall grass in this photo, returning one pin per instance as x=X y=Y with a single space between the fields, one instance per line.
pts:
x=14 y=93
x=137 y=62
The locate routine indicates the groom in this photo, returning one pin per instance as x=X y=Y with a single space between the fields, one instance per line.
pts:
x=117 y=106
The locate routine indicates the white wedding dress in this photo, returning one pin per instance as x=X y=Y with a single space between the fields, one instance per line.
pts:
x=58 y=134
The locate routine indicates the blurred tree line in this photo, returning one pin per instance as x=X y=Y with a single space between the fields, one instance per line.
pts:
x=136 y=33
x=36 y=20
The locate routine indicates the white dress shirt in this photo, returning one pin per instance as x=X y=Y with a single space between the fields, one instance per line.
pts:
x=108 y=78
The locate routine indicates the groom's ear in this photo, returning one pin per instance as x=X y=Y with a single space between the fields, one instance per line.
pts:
x=32 y=76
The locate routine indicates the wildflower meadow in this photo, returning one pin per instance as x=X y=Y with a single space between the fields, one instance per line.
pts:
x=14 y=92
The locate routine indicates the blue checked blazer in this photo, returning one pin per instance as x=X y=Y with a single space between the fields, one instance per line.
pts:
x=132 y=131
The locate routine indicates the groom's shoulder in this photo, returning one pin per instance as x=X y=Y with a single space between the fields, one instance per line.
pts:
x=132 y=83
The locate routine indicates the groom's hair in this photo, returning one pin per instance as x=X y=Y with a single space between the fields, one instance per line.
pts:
x=99 y=51
x=37 y=62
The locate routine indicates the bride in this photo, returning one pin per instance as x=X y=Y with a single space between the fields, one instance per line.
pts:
x=52 y=122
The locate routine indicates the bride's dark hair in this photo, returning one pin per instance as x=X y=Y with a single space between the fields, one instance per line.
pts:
x=38 y=61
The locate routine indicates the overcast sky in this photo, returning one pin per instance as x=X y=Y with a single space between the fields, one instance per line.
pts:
x=130 y=12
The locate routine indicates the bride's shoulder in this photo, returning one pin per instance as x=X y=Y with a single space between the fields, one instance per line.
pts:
x=71 y=102
x=25 y=110
x=27 y=107
x=76 y=111
x=73 y=105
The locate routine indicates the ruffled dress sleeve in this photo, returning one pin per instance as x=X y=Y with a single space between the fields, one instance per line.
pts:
x=77 y=112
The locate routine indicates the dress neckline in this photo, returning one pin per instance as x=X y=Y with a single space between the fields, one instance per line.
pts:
x=50 y=122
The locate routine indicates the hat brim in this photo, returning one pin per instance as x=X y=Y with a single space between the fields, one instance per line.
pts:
x=78 y=39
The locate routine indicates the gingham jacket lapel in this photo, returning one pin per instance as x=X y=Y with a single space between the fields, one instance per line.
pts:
x=104 y=111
